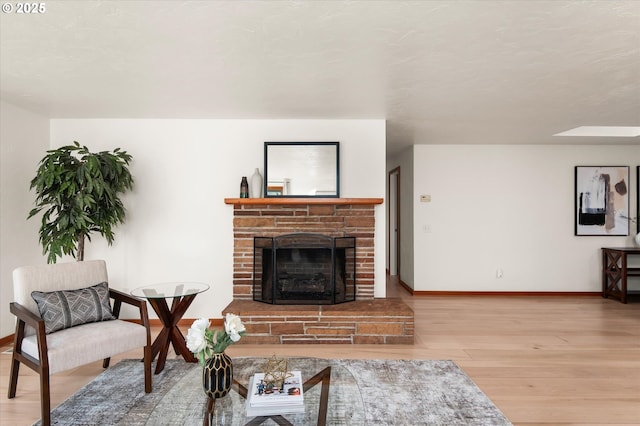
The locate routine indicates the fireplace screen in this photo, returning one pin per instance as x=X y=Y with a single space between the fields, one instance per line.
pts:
x=307 y=269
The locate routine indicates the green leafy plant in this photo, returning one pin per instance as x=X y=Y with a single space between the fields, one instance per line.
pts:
x=79 y=194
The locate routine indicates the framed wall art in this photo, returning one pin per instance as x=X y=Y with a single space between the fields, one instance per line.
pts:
x=602 y=200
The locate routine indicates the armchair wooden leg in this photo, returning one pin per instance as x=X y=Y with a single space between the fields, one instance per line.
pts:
x=105 y=362
x=147 y=369
x=13 y=379
x=45 y=398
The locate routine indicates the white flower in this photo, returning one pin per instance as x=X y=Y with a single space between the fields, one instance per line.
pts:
x=233 y=326
x=203 y=342
x=201 y=323
x=195 y=339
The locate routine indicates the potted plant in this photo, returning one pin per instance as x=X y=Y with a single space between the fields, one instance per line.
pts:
x=79 y=194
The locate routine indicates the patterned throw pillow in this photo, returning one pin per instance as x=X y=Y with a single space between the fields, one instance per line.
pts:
x=67 y=308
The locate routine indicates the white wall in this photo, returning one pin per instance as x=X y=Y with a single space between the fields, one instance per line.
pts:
x=178 y=227
x=508 y=207
x=24 y=138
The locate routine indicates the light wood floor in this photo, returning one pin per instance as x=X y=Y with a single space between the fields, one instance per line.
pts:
x=541 y=359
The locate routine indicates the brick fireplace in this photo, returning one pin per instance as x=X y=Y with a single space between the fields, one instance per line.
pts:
x=365 y=320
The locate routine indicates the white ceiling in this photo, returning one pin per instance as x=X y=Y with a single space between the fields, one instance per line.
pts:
x=439 y=72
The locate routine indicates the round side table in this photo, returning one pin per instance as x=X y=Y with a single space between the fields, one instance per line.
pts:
x=182 y=294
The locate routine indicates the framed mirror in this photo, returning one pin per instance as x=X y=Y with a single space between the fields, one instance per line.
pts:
x=302 y=169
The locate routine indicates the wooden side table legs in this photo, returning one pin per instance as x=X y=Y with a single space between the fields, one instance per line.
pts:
x=170 y=333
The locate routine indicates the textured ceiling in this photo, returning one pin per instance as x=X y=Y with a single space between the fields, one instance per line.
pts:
x=439 y=72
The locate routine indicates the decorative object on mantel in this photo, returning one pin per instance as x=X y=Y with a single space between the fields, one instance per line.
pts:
x=208 y=346
x=256 y=184
x=286 y=186
x=244 y=188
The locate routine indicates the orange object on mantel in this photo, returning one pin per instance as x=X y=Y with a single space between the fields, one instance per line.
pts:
x=302 y=200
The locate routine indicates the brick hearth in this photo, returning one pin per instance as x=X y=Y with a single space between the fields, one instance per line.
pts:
x=385 y=321
x=367 y=320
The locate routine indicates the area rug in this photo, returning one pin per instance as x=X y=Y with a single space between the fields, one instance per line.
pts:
x=394 y=392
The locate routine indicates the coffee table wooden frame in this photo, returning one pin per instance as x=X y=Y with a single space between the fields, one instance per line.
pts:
x=323 y=377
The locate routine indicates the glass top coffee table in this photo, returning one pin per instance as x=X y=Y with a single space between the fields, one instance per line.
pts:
x=334 y=398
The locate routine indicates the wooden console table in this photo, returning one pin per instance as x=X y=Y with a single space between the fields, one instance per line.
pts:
x=615 y=271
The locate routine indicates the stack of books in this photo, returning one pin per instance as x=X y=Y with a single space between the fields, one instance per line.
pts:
x=263 y=400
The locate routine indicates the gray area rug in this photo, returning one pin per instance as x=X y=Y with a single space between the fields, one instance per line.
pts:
x=391 y=392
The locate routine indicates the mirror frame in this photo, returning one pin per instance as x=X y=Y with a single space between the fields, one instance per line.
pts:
x=301 y=145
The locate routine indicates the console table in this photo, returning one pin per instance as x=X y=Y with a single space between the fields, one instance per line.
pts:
x=615 y=271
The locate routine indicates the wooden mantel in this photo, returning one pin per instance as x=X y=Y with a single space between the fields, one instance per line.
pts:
x=302 y=201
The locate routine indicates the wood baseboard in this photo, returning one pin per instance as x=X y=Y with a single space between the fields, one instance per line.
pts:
x=184 y=323
x=406 y=287
x=496 y=293
x=6 y=341
x=505 y=293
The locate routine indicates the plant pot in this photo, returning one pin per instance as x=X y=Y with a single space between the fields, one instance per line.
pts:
x=217 y=375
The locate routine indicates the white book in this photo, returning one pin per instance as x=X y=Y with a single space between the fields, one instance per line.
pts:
x=272 y=410
x=260 y=395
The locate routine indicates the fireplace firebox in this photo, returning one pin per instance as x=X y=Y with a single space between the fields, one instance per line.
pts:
x=304 y=269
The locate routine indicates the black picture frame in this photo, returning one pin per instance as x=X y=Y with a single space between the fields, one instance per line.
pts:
x=601 y=201
x=301 y=170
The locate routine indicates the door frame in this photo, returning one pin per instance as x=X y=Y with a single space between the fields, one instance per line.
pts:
x=394 y=205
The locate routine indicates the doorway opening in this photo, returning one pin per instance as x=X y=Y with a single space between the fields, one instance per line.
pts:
x=394 y=222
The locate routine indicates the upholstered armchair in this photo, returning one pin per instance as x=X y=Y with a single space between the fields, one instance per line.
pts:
x=65 y=320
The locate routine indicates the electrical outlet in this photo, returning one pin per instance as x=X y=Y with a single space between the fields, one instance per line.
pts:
x=499 y=273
